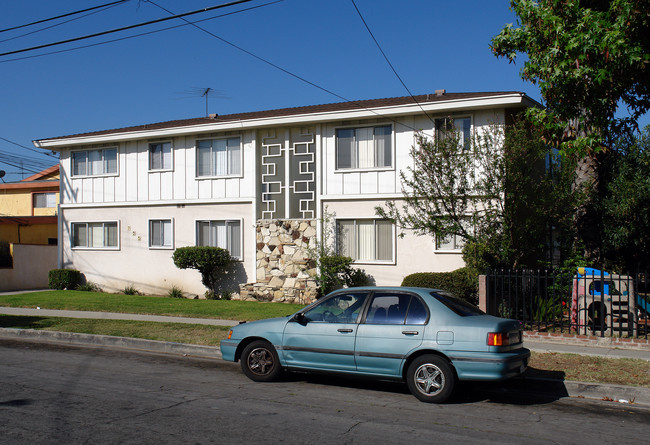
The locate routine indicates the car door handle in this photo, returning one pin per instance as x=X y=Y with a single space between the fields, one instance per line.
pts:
x=344 y=331
x=410 y=332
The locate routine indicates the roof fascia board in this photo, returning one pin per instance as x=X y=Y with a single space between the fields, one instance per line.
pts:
x=506 y=100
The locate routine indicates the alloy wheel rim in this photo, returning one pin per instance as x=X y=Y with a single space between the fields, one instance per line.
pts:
x=429 y=379
x=260 y=361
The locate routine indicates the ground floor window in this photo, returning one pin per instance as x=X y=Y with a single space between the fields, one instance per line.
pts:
x=365 y=239
x=97 y=235
x=225 y=234
x=161 y=233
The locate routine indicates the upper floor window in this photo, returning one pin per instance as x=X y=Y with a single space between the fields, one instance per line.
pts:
x=461 y=125
x=366 y=147
x=160 y=156
x=161 y=233
x=97 y=235
x=225 y=234
x=365 y=239
x=44 y=200
x=219 y=157
x=94 y=162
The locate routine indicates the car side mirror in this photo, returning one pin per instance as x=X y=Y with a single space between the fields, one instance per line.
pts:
x=300 y=318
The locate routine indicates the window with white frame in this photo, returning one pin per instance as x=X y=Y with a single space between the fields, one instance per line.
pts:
x=219 y=157
x=161 y=234
x=160 y=156
x=461 y=125
x=96 y=235
x=225 y=234
x=453 y=242
x=365 y=147
x=45 y=200
x=365 y=239
x=94 y=162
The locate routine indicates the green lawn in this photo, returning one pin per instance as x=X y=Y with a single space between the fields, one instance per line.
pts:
x=140 y=304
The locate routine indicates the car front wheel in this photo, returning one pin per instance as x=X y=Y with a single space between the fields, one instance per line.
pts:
x=259 y=361
x=431 y=379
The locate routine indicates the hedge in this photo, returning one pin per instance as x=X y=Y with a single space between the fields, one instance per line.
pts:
x=64 y=279
x=459 y=282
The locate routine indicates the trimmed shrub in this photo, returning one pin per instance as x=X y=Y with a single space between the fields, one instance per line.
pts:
x=459 y=282
x=131 y=290
x=64 y=279
x=211 y=262
x=175 y=292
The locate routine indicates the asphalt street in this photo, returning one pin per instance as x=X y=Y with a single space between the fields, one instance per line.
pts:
x=83 y=394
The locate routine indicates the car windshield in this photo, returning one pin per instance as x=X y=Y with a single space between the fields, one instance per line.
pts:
x=458 y=305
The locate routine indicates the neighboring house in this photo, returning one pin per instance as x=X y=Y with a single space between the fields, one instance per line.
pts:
x=28 y=209
x=258 y=184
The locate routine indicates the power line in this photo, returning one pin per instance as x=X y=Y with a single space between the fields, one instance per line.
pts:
x=388 y=61
x=296 y=76
x=124 y=28
x=40 y=152
x=62 y=23
x=137 y=35
x=61 y=16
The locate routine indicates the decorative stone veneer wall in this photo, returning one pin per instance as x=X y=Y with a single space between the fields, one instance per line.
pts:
x=284 y=270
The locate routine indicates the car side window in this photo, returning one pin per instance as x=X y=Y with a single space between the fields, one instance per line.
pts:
x=340 y=308
x=417 y=313
x=388 y=308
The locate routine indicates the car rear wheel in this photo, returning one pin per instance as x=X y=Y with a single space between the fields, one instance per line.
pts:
x=260 y=362
x=431 y=379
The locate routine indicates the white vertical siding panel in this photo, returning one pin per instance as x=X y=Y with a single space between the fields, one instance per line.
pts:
x=192 y=185
x=142 y=160
x=119 y=183
x=180 y=165
x=109 y=189
x=351 y=183
x=153 y=185
x=86 y=185
x=205 y=189
x=167 y=185
x=232 y=188
x=219 y=188
x=388 y=182
x=131 y=172
x=98 y=189
x=368 y=182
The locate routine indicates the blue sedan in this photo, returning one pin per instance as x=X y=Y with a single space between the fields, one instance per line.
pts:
x=426 y=337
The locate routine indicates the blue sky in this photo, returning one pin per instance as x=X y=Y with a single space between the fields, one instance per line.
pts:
x=432 y=44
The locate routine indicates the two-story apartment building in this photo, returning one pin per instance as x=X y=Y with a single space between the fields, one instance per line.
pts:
x=258 y=184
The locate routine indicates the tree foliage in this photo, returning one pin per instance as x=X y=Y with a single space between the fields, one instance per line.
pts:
x=501 y=195
x=588 y=58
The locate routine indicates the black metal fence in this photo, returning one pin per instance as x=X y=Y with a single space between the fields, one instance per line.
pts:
x=589 y=302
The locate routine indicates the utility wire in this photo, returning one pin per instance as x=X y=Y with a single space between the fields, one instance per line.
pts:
x=136 y=35
x=27 y=148
x=124 y=28
x=61 y=16
x=388 y=61
x=111 y=5
x=296 y=76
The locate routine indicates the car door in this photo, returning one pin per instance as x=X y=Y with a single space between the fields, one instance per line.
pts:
x=323 y=336
x=393 y=326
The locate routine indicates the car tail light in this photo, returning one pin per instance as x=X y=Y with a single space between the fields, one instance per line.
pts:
x=498 y=339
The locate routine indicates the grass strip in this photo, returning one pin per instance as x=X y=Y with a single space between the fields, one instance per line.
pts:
x=617 y=371
x=143 y=304
x=194 y=334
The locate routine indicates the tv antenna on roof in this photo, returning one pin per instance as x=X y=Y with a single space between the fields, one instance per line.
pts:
x=206 y=92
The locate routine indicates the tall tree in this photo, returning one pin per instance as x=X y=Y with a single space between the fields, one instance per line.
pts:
x=589 y=58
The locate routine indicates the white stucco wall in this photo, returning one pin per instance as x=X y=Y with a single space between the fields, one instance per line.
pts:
x=151 y=270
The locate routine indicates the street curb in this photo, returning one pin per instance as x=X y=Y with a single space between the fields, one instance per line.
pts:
x=137 y=344
x=549 y=387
